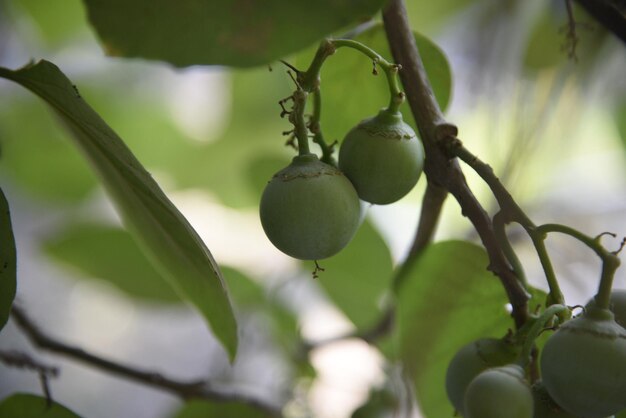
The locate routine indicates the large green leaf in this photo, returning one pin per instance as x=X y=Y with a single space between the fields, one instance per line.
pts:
x=8 y=262
x=448 y=300
x=161 y=230
x=206 y=409
x=238 y=33
x=357 y=278
x=90 y=249
x=24 y=405
x=344 y=104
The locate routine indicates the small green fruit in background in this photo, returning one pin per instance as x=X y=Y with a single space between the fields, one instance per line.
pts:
x=501 y=392
x=470 y=361
x=382 y=157
x=583 y=365
x=309 y=210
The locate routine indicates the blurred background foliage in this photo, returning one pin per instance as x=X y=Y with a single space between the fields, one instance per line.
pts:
x=554 y=129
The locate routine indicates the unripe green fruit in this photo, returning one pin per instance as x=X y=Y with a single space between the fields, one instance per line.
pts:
x=382 y=157
x=470 y=361
x=545 y=407
x=501 y=392
x=583 y=365
x=618 y=306
x=309 y=210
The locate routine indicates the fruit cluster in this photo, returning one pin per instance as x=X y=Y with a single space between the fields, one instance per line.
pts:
x=310 y=210
x=583 y=371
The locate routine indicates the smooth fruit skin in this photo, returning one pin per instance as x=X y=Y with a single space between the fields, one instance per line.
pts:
x=382 y=157
x=545 y=407
x=309 y=210
x=470 y=361
x=583 y=365
x=501 y=392
x=618 y=306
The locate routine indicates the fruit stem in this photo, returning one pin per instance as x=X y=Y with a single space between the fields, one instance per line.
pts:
x=539 y=324
x=610 y=261
x=296 y=117
x=310 y=79
x=316 y=129
x=390 y=69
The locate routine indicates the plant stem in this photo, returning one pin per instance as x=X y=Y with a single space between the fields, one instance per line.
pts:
x=440 y=168
x=185 y=390
x=296 y=117
x=610 y=261
x=316 y=128
x=539 y=324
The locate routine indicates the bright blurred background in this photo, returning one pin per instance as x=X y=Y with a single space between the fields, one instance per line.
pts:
x=553 y=129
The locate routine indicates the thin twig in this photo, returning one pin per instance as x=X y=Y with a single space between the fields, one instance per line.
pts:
x=185 y=390
x=24 y=361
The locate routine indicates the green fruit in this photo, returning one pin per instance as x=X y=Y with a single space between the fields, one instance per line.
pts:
x=382 y=157
x=501 y=392
x=618 y=306
x=545 y=407
x=309 y=210
x=583 y=365
x=470 y=361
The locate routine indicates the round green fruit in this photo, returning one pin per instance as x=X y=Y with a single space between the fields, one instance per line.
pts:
x=382 y=157
x=618 y=306
x=309 y=210
x=470 y=361
x=501 y=392
x=545 y=407
x=583 y=365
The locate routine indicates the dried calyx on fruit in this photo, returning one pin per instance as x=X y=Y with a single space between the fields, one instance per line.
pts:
x=309 y=210
x=383 y=157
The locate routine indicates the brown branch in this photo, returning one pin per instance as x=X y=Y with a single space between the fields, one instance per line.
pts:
x=609 y=13
x=185 y=390
x=24 y=361
x=441 y=169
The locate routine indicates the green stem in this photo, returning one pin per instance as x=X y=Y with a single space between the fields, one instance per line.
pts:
x=539 y=324
x=390 y=69
x=316 y=128
x=499 y=227
x=310 y=80
x=296 y=117
x=538 y=239
x=610 y=261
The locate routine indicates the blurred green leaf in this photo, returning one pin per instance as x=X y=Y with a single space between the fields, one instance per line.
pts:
x=221 y=166
x=24 y=405
x=350 y=93
x=358 y=277
x=430 y=15
x=160 y=228
x=206 y=409
x=8 y=262
x=38 y=157
x=237 y=33
x=110 y=253
x=261 y=169
x=543 y=49
x=448 y=300
x=57 y=23
x=620 y=120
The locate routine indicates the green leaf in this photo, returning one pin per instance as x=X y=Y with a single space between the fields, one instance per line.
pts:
x=38 y=157
x=205 y=409
x=110 y=253
x=161 y=230
x=237 y=33
x=24 y=405
x=448 y=300
x=357 y=278
x=8 y=262
x=351 y=93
